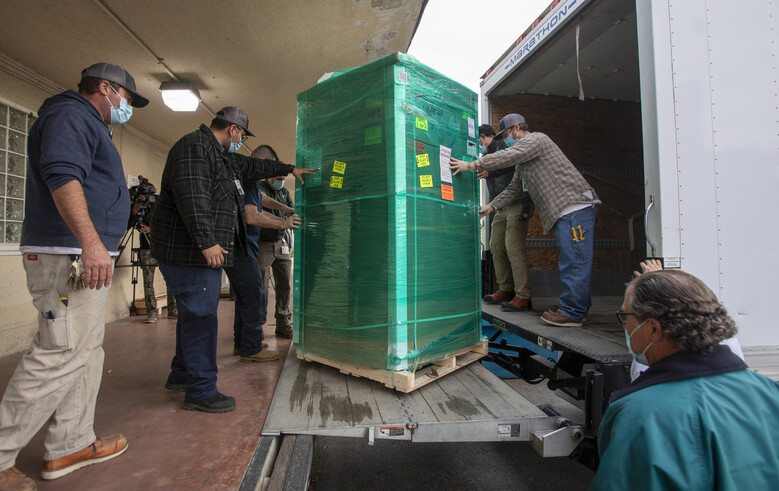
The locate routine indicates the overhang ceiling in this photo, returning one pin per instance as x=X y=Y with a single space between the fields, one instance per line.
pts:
x=608 y=58
x=254 y=54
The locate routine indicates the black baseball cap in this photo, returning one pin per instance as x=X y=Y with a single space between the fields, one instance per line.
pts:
x=116 y=74
x=509 y=121
x=486 y=130
x=235 y=115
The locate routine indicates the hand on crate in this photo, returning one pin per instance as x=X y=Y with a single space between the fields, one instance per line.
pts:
x=299 y=171
x=649 y=266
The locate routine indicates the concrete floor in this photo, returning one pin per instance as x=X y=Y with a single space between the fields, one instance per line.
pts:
x=175 y=449
x=168 y=447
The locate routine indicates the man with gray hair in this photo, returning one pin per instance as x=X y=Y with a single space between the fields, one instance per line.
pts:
x=697 y=418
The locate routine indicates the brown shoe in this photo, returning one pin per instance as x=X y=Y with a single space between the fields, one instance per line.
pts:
x=13 y=480
x=284 y=334
x=559 y=319
x=264 y=355
x=100 y=451
x=516 y=305
x=498 y=297
x=556 y=307
x=237 y=351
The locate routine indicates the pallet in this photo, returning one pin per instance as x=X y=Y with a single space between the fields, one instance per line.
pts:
x=404 y=380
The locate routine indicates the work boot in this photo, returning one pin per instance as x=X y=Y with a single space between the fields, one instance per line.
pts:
x=264 y=355
x=175 y=386
x=237 y=351
x=217 y=403
x=282 y=333
x=559 y=319
x=517 y=305
x=12 y=479
x=498 y=297
x=152 y=317
x=100 y=451
x=556 y=307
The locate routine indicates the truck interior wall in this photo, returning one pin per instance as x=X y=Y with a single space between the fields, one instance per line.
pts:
x=603 y=139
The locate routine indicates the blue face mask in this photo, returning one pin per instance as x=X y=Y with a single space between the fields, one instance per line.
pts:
x=234 y=147
x=639 y=357
x=509 y=141
x=121 y=114
x=277 y=185
x=482 y=149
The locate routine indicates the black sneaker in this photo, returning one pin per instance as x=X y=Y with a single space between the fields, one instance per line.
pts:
x=217 y=403
x=175 y=387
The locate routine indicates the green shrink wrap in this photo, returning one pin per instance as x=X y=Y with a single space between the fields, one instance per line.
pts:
x=387 y=260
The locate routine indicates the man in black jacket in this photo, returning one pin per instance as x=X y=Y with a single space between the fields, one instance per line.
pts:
x=507 y=235
x=197 y=224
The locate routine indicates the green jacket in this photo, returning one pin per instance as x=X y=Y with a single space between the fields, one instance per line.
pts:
x=692 y=421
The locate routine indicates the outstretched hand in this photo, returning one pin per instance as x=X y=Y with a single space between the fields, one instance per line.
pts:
x=649 y=266
x=299 y=171
x=458 y=165
x=486 y=210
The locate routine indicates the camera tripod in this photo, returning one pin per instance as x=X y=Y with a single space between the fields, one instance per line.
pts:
x=135 y=261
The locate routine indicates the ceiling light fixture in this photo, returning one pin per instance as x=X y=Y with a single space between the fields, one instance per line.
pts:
x=180 y=96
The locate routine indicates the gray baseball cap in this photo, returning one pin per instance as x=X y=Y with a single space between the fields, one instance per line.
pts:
x=508 y=121
x=116 y=74
x=235 y=115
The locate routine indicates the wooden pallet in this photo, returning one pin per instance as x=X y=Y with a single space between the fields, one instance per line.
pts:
x=404 y=380
x=140 y=304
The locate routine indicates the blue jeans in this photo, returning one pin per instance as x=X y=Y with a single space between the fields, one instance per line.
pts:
x=574 y=236
x=246 y=280
x=197 y=297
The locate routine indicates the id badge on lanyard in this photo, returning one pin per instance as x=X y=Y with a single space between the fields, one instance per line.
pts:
x=238 y=186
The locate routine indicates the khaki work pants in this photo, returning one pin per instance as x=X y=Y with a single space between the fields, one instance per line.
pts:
x=57 y=380
x=271 y=258
x=509 y=255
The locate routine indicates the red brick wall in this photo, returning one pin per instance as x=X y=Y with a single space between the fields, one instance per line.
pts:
x=603 y=137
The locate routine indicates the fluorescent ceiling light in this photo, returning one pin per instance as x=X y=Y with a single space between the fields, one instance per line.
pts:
x=180 y=96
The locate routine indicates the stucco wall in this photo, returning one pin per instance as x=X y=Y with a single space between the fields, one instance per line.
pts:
x=142 y=155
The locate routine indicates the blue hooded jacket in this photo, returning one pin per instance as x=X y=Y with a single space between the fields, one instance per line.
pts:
x=70 y=141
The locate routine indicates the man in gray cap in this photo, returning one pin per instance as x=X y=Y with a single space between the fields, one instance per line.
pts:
x=565 y=200
x=75 y=214
x=198 y=225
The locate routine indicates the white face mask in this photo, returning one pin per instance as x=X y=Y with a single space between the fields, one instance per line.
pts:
x=639 y=357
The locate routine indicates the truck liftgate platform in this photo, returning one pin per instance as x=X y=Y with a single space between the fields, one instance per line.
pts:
x=470 y=404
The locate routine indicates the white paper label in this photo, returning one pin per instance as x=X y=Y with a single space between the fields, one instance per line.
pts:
x=473 y=150
x=672 y=262
x=403 y=77
x=445 y=156
x=471 y=128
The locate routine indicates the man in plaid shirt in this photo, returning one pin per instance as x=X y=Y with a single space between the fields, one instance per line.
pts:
x=565 y=200
x=198 y=223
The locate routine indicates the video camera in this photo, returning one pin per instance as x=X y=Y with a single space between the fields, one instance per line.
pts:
x=142 y=198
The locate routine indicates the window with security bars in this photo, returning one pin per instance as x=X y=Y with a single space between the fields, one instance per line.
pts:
x=15 y=125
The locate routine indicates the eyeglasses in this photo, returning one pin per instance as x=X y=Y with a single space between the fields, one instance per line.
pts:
x=622 y=317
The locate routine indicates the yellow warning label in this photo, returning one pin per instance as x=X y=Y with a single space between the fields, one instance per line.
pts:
x=423 y=160
x=336 y=182
x=426 y=181
x=339 y=167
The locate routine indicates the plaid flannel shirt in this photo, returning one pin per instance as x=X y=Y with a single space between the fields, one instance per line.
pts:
x=198 y=200
x=552 y=180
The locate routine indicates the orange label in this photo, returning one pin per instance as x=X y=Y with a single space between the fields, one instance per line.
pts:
x=447 y=192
